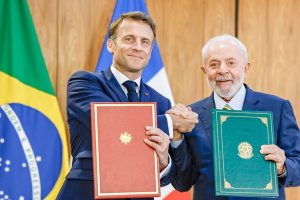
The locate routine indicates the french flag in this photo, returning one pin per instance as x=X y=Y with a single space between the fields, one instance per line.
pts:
x=154 y=75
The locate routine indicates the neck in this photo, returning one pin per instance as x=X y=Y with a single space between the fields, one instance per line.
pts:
x=226 y=99
x=131 y=75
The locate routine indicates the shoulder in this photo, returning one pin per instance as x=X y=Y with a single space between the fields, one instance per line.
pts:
x=269 y=98
x=261 y=96
x=86 y=75
x=86 y=80
x=270 y=102
x=154 y=93
x=203 y=102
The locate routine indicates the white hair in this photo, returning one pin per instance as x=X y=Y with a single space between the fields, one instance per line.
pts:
x=225 y=37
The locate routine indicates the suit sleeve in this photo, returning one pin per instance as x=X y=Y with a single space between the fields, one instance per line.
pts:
x=162 y=122
x=84 y=88
x=185 y=171
x=289 y=141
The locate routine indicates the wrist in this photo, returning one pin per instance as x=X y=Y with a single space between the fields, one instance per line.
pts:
x=174 y=119
x=163 y=164
x=283 y=173
x=177 y=135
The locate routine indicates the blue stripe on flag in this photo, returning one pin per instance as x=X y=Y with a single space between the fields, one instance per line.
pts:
x=155 y=64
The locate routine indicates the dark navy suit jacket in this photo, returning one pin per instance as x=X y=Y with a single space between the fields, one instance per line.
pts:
x=84 y=88
x=194 y=157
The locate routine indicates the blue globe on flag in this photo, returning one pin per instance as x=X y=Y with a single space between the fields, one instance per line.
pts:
x=28 y=168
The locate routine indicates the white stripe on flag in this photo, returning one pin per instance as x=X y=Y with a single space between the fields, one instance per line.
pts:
x=161 y=84
x=165 y=191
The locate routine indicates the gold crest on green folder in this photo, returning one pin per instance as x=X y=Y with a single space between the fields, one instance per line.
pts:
x=239 y=168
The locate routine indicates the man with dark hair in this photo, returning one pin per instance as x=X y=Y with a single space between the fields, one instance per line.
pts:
x=130 y=41
x=136 y=16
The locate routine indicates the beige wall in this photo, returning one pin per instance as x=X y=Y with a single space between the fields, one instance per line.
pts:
x=71 y=34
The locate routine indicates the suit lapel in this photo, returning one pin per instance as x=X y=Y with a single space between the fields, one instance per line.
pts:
x=144 y=93
x=205 y=116
x=250 y=103
x=112 y=82
x=251 y=100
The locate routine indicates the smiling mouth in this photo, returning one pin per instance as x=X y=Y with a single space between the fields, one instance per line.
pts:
x=136 y=57
x=223 y=81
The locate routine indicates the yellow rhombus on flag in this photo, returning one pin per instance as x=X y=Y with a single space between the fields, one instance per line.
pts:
x=34 y=156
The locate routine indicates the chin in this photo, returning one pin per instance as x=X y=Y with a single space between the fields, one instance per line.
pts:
x=228 y=93
x=135 y=68
x=224 y=94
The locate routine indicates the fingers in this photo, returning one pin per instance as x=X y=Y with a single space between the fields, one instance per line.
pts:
x=276 y=158
x=183 y=118
x=179 y=110
x=275 y=154
x=272 y=149
x=159 y=141
x=184 y=125
x=192 y=115
x=153 y=132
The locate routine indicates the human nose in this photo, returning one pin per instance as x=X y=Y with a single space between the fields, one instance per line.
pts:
x=223 y=68
x=137 y=45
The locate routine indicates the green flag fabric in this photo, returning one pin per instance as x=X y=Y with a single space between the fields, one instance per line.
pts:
x=34 y=155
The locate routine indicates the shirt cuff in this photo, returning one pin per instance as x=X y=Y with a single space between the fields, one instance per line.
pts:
x=170 y=125
x=164 y=172
x=284 y=173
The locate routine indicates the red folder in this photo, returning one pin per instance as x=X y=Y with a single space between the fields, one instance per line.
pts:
x=124 y=166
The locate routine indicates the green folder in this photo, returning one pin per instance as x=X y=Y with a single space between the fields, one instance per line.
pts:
x=239 y=168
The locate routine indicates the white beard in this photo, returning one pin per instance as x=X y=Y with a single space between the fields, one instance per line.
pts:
x=227 y=94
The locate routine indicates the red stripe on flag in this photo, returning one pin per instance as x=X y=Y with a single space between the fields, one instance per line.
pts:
x=175 y=195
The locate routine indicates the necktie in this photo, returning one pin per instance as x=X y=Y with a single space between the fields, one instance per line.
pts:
x=131 y=92
x=227 y=107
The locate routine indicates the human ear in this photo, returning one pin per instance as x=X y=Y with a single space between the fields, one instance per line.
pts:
x=203 y=69
x=110 y=45
x=247 y=66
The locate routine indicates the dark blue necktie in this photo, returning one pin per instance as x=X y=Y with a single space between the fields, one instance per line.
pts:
x=131 y=91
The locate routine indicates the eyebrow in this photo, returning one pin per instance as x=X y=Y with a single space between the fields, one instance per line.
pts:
x=215 y=59
x=231 y=58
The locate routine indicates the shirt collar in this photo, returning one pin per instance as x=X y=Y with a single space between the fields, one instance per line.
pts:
x=121 y=78
x=236 y=103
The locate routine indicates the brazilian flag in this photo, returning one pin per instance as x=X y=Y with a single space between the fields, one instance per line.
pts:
x=34 y=154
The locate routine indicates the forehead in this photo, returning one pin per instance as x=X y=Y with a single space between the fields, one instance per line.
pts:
x=223 y=50
x=134 y=28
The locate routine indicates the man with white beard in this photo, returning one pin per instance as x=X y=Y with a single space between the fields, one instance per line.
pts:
x=225 y=64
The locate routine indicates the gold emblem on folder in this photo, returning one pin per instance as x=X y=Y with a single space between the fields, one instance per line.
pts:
x=269 y=186
x=126 y=138
x=227 y=185
x=245 y=150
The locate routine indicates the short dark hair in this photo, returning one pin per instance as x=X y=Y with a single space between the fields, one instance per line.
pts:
x=137 y=16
